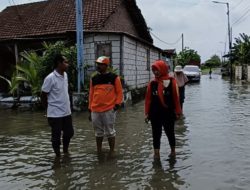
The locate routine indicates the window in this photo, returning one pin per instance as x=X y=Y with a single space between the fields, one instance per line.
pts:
x=103 y=50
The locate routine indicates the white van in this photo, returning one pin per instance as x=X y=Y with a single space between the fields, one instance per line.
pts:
x=192 y=72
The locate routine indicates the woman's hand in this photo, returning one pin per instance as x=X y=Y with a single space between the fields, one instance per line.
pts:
x=146 y=119
x=178 y=116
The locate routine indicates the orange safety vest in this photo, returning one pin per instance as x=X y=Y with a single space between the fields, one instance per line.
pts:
x=105 y=92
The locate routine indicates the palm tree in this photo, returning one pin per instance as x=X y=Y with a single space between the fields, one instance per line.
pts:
x=26 y=72
x=13 y=84
x=29 y=71
x=241 y=49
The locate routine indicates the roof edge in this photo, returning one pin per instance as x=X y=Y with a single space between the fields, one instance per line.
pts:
x=73 y=32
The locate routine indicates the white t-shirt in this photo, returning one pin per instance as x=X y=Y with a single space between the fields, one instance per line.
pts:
x=56 y=86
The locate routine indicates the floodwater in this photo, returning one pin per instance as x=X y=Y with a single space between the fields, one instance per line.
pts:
x=212 y=147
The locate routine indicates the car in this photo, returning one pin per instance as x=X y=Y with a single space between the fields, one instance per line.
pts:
x=192 y=72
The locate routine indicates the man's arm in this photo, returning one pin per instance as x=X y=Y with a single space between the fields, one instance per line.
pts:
x=46 y=88
x=119 y=91
x=90 y=98
x=185 y=79
x=91 y=91
x=44 y=99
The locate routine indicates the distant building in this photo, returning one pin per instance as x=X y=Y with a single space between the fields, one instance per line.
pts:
x=114 y=28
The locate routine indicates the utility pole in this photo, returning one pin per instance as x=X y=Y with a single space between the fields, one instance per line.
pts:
x=230 y=42
x=79 y=36
x=229 y=36
x=182 y=42
x=224 y=50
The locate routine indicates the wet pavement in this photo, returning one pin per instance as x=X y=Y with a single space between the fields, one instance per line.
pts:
x=212 y=147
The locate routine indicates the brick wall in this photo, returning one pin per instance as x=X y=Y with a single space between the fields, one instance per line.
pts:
x=90 y=45
x=135 y=57
x=136 y=73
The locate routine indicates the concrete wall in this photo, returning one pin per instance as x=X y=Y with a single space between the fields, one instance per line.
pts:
x=90 y=45
x=244 y=72
x=154 y=55
x=136 y=57
x=248 y=73
x=137 y=69
x=238 y=72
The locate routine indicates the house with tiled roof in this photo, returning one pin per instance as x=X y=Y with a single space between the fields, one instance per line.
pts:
x=114 y=28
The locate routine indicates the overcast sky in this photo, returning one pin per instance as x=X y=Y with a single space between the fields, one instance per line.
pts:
x=203 y=23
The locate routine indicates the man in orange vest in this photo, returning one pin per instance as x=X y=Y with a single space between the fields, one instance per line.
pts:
x=105 y=97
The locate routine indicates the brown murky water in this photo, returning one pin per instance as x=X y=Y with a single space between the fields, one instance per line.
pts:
x=212 y=147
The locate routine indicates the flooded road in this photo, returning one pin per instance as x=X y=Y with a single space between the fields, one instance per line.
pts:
x=212 y=147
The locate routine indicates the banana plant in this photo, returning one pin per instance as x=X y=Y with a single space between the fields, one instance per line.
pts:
x=29 y=71
x=13 y=83
x=241 y=49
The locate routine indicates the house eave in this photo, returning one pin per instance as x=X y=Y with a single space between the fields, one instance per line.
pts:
x=66 y=34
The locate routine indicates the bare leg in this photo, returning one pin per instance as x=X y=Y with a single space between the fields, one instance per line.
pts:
x=111 y=145
x=99 y=144
x=173 y=153
x=156 y=153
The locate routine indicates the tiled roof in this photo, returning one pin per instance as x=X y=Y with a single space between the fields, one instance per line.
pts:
x=58 y=17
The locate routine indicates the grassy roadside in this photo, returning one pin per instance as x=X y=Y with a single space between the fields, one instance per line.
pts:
x=206 y=71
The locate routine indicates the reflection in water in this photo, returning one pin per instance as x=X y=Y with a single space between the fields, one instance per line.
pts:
x=165 y=178
x=62 y=170
x=105 y=171
x=212 y=147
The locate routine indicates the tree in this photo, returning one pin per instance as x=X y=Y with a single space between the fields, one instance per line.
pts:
x=33 y=68
x=26 y=76
x=69 y=52
x=29 y=71
x=188 y=57
x=13 y=84
x=214 y=61
x=241 y=49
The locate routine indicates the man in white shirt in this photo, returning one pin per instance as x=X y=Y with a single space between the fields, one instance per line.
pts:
x=55 y=98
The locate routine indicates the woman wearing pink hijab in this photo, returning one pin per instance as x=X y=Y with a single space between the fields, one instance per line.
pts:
x=181 y=80
x=162 y=106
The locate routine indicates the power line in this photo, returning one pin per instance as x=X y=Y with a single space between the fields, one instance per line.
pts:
x=165 y=41
x=242 y=20
x=237 y=5
x=244 y=14
x=244 y=10
x=9 y=2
